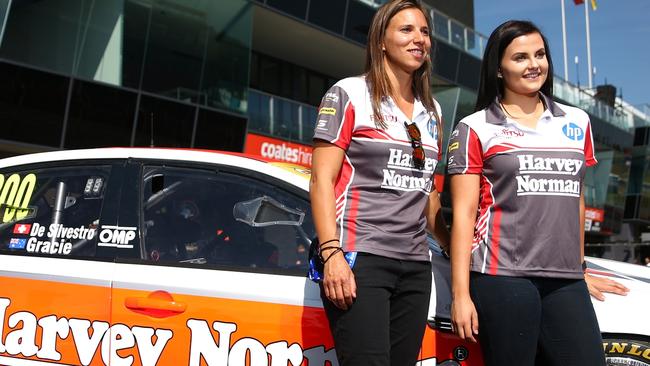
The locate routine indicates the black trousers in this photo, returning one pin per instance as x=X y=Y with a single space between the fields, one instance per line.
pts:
x=386 y=323
x=525 y=320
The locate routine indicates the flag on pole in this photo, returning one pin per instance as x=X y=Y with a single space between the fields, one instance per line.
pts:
x=594 y=6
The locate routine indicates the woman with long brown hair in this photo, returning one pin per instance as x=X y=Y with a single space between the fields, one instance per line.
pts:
x=376 y=146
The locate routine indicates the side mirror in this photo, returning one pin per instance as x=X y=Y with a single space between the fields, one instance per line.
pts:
x=266 y=211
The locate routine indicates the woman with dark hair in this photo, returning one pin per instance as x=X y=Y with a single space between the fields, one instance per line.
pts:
x=517 y=166
x=376 y=146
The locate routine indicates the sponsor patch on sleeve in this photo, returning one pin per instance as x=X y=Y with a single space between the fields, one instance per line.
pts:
x=453 y=146
x=327 y=111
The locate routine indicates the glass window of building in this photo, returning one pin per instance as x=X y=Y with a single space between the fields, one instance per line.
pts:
x=99 y=116
x=297 y=8
x=225 y=72
x=358 y=21
x=327 y=14
x=165 y=123
x=43 y=33
x=32 y=105
x=220 y=131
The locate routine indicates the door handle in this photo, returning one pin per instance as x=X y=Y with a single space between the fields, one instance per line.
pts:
x=158 y=304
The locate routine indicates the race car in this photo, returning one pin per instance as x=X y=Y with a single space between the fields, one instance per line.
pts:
x=148 y=256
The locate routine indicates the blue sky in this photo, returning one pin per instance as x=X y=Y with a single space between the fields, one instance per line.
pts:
x=620 y=38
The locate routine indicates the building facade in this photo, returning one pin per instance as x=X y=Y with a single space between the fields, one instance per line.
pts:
x=248 y=75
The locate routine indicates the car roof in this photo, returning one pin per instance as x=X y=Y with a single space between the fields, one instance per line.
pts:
x=295 y=177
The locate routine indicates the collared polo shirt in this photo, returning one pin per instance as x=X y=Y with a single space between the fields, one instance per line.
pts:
x=528 y=222
x=380 y=195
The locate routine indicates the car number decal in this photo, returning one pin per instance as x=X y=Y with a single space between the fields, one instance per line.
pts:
x=16 y=193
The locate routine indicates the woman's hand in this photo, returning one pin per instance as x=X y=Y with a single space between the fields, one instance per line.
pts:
x=339 y=284
x=464 y=319
x=597 y=285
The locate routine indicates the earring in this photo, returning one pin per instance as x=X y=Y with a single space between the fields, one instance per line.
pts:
x=499 y=75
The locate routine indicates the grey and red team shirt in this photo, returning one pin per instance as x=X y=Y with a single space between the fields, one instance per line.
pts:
x=528 y=222
x=380 y=195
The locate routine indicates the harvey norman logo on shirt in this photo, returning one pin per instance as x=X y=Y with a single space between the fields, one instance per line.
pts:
x=400 y=162
x=529 y=165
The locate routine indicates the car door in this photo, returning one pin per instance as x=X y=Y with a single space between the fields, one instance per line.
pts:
x=54 y=278
x=221 y=279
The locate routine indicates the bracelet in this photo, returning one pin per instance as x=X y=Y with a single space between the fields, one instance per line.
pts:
x=320 y=252
x=338 y=249
x=329 y=241
x=584 y=266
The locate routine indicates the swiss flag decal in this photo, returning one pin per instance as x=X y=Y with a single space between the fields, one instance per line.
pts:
x=22 y=229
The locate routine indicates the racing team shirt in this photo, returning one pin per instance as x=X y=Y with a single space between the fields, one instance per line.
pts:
x=380 y=195
x=528 y=222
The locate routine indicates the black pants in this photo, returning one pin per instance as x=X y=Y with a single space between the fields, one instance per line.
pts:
x=522 y=320
x=385 y=324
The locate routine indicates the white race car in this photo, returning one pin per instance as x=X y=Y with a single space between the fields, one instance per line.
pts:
x=181 y=257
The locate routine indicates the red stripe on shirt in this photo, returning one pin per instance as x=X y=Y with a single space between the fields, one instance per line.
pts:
x=494 y=240
x=590 y=159
x=343 y=180
x=497 y=149
x=371 y=133
x=481 y=225
x=347 y=126
x=352 y=219
x=473 y=154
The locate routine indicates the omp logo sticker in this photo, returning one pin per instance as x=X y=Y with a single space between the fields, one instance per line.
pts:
x=573 y=131
x=116 y=236
x=15 y=193
x=118 y=344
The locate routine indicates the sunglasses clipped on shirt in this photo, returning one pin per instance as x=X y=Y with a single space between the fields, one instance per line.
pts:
x=416 y=142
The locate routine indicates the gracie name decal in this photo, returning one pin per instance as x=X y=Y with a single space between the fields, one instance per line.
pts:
x=55 y=241
x=398 y=161
x=530 y=164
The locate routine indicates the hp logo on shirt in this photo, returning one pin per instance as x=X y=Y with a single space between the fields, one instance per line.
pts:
x=573 y=131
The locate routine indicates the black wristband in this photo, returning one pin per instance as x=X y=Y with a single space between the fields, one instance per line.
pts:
x=584 y=266
x=339 y=249
x=327 y=242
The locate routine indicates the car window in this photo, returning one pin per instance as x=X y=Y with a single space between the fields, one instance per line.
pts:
x=52 y=211
x=207 y=217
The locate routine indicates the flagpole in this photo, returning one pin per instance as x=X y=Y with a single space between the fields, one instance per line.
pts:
x=566 y=66
x=588 y=44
